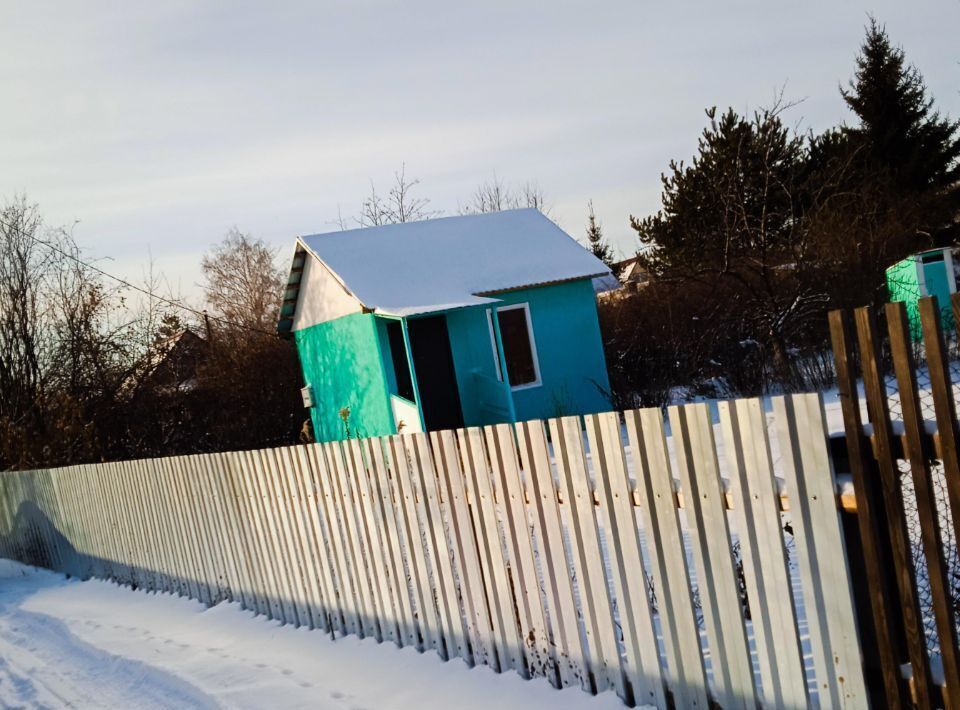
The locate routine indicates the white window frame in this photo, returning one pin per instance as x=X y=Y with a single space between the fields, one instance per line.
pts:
x=538 y=382
x=493 y=346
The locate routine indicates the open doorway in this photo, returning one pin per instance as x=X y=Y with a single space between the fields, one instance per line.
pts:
x=435 y=373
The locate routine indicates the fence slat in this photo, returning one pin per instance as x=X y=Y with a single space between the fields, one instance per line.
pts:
x=427 y=618
x=348 y=618
x=572 y=651
x=686 y=674
x=922 y=474
x=234 y=525
x=821 y=553
x=248 y=528
x=941 y=388
x=372 y=542
x=584 y=537
x=507 y=637
x=302 y=544
x=705 y=507
x=467 y=560
x=877 y=403
x=763 y=553
x=870 y=511
x=400 y=591
x=512 y=502
x=307 y=496
x=626 y=559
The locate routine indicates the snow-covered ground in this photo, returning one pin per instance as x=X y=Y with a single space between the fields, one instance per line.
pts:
x=94 y=644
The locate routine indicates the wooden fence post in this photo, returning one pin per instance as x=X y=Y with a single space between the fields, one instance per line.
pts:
x=876 y=390
x=870 y=513
x=920 y=469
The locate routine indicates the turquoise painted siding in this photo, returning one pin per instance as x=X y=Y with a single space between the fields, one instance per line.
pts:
x=573 y=369
x=936 y=281
x=903 y=284
x=341 y=360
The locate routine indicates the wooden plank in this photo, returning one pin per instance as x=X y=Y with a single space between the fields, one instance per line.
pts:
x=298 y=537
x=763 y=553
x=214 y=567
x=223 y=539
x=572 y=650
x=235 y=531
x=427 y=619
x=374 y=545
x=870 y=510
x=169 y=514
x=314 y=546
x=402 y=625
x=346 y=594
x=188 y=530
x=120 y=504
x=642 y=662
x=279 y=600
x=877 y=403
x=466 y=557
x=451 y=617
x=148 y=561
x=247 y=528
x=695 y=449
x=596 y=609
x=930 y=535
x=686 y=674
x=941 y=388
x=291 y=577
x=506 y=633
x=355 y=556
x=513 y=505
x=343 y=610
x=109 y=563
x=820 y=550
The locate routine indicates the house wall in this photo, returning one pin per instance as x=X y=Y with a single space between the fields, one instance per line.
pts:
x=321 y=297
x=341 y=360
x=911 y=279
x=566 y=331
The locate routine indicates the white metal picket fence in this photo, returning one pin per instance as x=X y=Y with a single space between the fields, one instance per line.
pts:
x=562 y=549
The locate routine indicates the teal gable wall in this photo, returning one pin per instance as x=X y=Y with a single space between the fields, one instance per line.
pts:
x=341 y=360
x=566 y=331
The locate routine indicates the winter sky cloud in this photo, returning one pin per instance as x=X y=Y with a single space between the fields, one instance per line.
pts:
x=160 y=125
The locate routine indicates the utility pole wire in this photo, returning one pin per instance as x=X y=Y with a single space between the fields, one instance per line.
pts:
x=124 y=282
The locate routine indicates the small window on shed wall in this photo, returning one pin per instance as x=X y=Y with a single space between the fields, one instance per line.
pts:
x=519 y=348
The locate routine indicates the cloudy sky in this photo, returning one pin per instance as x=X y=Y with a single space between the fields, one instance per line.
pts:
x=158 y=126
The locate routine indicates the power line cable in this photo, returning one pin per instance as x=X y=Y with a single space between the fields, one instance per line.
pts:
x=140 y=289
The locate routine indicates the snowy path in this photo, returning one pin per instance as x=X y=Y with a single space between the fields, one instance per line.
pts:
x=65 y=643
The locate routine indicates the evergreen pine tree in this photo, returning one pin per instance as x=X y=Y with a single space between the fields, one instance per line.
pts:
x=598 y=245
x=902 y=140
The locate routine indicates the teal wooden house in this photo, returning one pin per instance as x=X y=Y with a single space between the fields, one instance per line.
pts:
x=444 y=323
x=929 y=273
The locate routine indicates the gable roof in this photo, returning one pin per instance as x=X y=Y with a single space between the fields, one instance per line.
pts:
x=450 y=262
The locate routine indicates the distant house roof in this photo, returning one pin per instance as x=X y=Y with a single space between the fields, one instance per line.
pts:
x=450 y=262
x=631 y=271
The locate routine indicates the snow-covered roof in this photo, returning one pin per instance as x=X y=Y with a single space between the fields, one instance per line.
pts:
x=451 y=262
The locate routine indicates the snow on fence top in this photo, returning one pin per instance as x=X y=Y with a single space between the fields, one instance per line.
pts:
x=437 y=264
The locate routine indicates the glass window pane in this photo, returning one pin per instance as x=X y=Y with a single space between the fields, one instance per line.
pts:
x=516 y=346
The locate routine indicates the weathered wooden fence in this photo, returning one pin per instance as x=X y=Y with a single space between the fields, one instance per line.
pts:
x=566 y=549
x=906 y=474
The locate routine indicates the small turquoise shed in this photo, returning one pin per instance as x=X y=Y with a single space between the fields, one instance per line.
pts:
x=929 y=273
x=445 y=323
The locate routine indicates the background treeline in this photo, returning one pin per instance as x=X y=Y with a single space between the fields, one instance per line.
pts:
x=766 y=229
x=769 y=227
